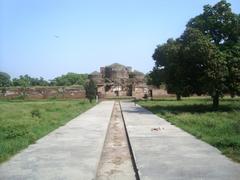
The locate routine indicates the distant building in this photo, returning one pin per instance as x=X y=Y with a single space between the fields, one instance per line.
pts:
x=120 y=80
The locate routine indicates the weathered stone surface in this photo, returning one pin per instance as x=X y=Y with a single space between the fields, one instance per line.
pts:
x=69 y=92
x=163 y=151
x=119 y=80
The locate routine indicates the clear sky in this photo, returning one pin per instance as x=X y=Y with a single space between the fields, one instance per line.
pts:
x=48 y=38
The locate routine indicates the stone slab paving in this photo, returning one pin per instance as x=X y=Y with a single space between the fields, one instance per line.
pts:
x=163 y=151
x=70 y=152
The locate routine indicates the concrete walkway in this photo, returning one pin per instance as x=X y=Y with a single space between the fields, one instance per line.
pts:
x=116 y=163
x=70 y=152
x=163 y=151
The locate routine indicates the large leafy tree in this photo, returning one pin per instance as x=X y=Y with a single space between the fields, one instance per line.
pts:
x=167 y=59
x=218 y=22
x=205 y=68
x=222 y=26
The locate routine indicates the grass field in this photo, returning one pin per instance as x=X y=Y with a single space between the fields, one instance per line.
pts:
x=219 y=128
x=23 y=122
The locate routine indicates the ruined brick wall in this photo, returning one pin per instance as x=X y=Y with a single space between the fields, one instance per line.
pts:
x=119 y=74
x=44 y=92
x=158 y=93
x=139 y=92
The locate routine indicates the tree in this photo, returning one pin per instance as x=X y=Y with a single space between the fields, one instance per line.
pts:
x=91 y=90
x=222 y=26
x=206 y=58
x=38 y=82
x=24 y=82
x=204 y=64
x=29 y=81
x=233 y=66
x=5 y=81
x=156 y=77
x=70 y=79
x=167 y=60
x=218 y=22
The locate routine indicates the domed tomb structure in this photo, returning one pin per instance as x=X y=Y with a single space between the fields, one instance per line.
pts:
x=119 y=80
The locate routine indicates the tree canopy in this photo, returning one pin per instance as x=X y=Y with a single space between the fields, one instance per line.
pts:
x=91 y=90
x=26 y=80
x=5 y=79
x=219 y=23
x=70 y=79
x=205 y=59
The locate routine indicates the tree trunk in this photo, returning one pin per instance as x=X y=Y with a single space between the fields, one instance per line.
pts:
x=215 y=100
x=178 y=97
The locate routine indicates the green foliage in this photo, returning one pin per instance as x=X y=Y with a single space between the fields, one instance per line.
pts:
x=65 y=80
x=219 y=128
x=204 y=65
x=233 y=66
x=18 y=128
x=39 y=82
x=23 y=81
x=168 y=63
x=70 y=79
x=218 y=22
x=26 y=81
x=5 y=79
x=35 y=113
x=206 y=58
x=156 y=77
x=222 y=26
x=91 y=90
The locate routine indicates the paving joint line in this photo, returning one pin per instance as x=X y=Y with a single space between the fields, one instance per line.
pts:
x=99 y=160
x=129 y=145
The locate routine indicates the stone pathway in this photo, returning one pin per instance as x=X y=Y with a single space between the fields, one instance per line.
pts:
x=116 y=161
x=164 y=152
x=70 y=152
x=92 y=146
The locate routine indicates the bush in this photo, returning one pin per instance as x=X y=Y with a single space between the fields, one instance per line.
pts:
x=35 y=113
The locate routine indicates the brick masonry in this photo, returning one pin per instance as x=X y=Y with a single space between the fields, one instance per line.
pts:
x=70 y=92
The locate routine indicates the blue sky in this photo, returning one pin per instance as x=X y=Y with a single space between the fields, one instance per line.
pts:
x=48 y=38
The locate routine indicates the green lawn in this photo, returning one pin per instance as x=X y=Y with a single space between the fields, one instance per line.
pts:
x=219 y=128
x=23 y=122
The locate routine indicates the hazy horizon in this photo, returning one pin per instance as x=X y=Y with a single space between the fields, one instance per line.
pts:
x=50 y=38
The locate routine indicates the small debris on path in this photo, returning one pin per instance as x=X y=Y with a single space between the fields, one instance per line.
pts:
x=157 y=129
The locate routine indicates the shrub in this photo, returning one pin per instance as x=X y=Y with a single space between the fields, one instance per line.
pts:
x=35 y=113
